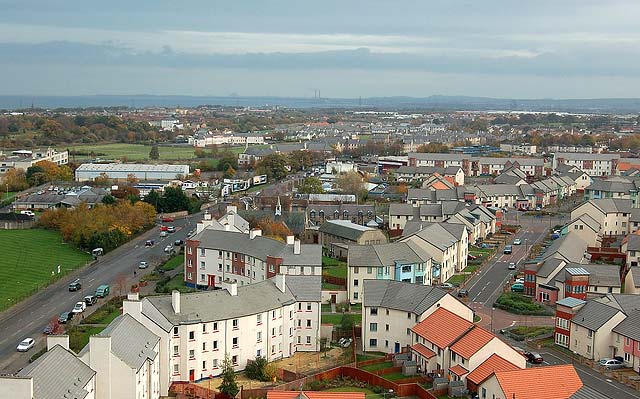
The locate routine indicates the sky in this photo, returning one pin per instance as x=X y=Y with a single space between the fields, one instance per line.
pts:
x=344 y=48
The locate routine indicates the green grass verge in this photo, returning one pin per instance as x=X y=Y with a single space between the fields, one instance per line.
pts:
x=530 y=331
x=457 y=279
x=172 y=263
x=377 y=366
x=517 y=303
x=134 y=152
x=331 y=287
x=334 y=267
x=470 y=268
x=176 y=283
x=335 y=319
x=105 y=314
x=29 y=257
x=369 y=356
x=79 y=336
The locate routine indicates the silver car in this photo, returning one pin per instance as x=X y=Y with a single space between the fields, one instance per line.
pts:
x=611 y=364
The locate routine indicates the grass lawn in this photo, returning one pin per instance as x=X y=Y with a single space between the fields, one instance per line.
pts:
x=481 y=252
x=377 y=366
x=334 y=267
x=369 y=394
x=335 y=319
x=531 y=331
x=470 y=268
x=172 y=263
x=331 y=287
x=176 y=283
x=4 y=195
x=134 y=152
x=105 y=314
x=394 y=376
x=79 y=336
x=370 y=356
x=457 y=279
x=519 y=304
x=27 y=260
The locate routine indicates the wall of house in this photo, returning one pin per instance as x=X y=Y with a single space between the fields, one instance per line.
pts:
x=580 y=229
x=491 y=389
x=598 y=342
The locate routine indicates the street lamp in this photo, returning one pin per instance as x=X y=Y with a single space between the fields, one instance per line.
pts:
x=491 y=325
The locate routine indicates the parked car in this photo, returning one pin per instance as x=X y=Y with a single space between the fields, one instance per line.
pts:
x=79 y=308
x=518 y=287
x=463 y=293
x=143 y=264
x=555 y=236
x=102 y=291
x=519 y=281
x=611 y=364
x=508 y=249
x=167 y=219
x=75 y=285
x=517 y=241
x=171 y=229
x=90 y=300
x=446 y=286
x=26 y=344
x=48 y=330
x=512 y=266
x=533 y=357
x=65 y=317
x=163 y=228
x=149 y=243
x=168 y=248
x=178 y=243
x=471 y=257
x=163 y=234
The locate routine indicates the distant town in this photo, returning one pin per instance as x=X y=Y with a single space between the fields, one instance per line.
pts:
x=278 y=252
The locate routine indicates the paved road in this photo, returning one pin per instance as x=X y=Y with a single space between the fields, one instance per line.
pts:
x=485 y=287
x=28 y=318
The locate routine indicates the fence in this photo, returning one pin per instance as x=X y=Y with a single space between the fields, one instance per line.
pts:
x=194 y=391
x=334 y=280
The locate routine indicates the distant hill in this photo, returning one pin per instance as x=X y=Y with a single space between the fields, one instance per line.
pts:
x=436 y=103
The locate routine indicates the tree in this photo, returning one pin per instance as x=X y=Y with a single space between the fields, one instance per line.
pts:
x=229 y=173
x=154 y=153
x=275 y=166
x=311 y=185
x=229 y=386
x=174 y=200
x=257 y=369
x=347 y=322
x=154 y=199
x=15 y=180
x=433 y=148
x=350 y=183
x=108 y=199
x=227 y=158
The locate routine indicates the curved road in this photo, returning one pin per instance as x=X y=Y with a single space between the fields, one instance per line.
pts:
x=31 y=316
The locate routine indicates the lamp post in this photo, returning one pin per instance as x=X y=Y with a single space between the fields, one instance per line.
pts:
x=491 y=325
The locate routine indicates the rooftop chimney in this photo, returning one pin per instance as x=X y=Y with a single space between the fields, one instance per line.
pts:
x=207 y=216
x=280 y=282
x=290 y=240
x=53 y=340
x=133 y=306
x=232 y=208
x=253 y=233
x=175 y=301
x=296 y=247
x=231 y=287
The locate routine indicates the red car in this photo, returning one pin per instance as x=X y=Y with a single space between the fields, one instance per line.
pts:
x=164 y=228
x=167 y=219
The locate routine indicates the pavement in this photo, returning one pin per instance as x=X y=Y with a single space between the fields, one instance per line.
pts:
x=116 y=268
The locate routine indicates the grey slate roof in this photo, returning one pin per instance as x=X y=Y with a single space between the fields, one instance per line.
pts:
x=310 y=255
x=588 y=221
x=588 y=393
x=401 y=296
x=600 y=275
x=131 y=342
x=56 y=373
x=254 y=298
x=570 y=302
x=633 y=242
x=437 y=234
x=344 y=229
x=594 y=315
x=401 y=209
x=610 y=205
x=570 y=247
x=635 y=274
x=384 y=255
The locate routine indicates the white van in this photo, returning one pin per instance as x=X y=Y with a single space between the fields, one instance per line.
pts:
x=28 y=213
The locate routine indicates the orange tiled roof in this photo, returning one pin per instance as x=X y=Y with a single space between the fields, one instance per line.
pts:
x=458 y=370
x=442 y=327
x=314 y=395
x=423 y=351
x=493 y=364
x=472 y=342
x=551 y=382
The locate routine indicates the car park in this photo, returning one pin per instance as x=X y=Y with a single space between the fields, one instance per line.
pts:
x=518 y=287
x=65 y=317
x=512 y=266
x=611 y=364
x=517 y=241
x=26 y=344
x=75 y=285
x=534 y=357
x=79 y=307
x=508 y=249
x=143 y=264
x=90 y=300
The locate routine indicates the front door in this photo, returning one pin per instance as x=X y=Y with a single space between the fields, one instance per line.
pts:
x=192 y=375
x=396 y=348
x=333 y=298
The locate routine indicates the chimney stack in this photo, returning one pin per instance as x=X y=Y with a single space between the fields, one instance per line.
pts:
x=175 y=301
x=231 y=287
x=281 y=282
x=296 y=247
x=290 y=240
x=53 y=340
x=253 y=233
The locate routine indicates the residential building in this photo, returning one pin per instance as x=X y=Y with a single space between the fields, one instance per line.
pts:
x=58 y=373
x=453 y=174
x=550 y=382
x=122 y=171
x=125 y=356
x=69 y=198
x=392 y=308
x=525 y=148
x=611 y=214
x=316 y=214
x=592 y=164
x=613 y=187
x=272 y=319
x=336 y=236
x=583 y=149
x=213 y=256
x=585 y=227
x=566 y=309
x=24 y=159
x=398 y=261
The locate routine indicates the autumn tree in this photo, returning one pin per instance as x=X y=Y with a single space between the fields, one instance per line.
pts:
x=433 y=148
x=275 y=166
x=15 y=180
x=154 y=153
x=311 y=185
x=350 y=183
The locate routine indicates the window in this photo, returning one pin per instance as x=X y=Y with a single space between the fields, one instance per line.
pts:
x=588 y=348
x=373 y=327
x=215 y=345
x=386 y=327
x=202 y=277
x=484 y=393
x=214 y=364
x=308 y=324
x=309 y=306
x=215 y=326
x=204 y=364
x=175 y=331
x=176 y=368
x=176 y=351
x=409 y=315
x=355 y=282
x=355 y=295
x=369 y=270
x=234 y=360
x=589 y=333
x=408 y=331
x=204 y=327
x=453 y=357
x=204 y=346
x=259 y=318
x=202 y=266
x=373 y=342
x=192 y=354
x=259 y=336
x=273 y=347
x=235 y=342
x=234 y=323
x=373 y=311
x=192 y=335
x=355 y=270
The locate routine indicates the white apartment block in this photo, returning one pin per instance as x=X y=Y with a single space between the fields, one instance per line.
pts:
x=528 y=149
x=592 y=164
x=272 y=319
x=23 y=159
x=213 y=256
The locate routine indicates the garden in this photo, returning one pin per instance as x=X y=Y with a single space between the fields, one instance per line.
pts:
x=519 y=304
